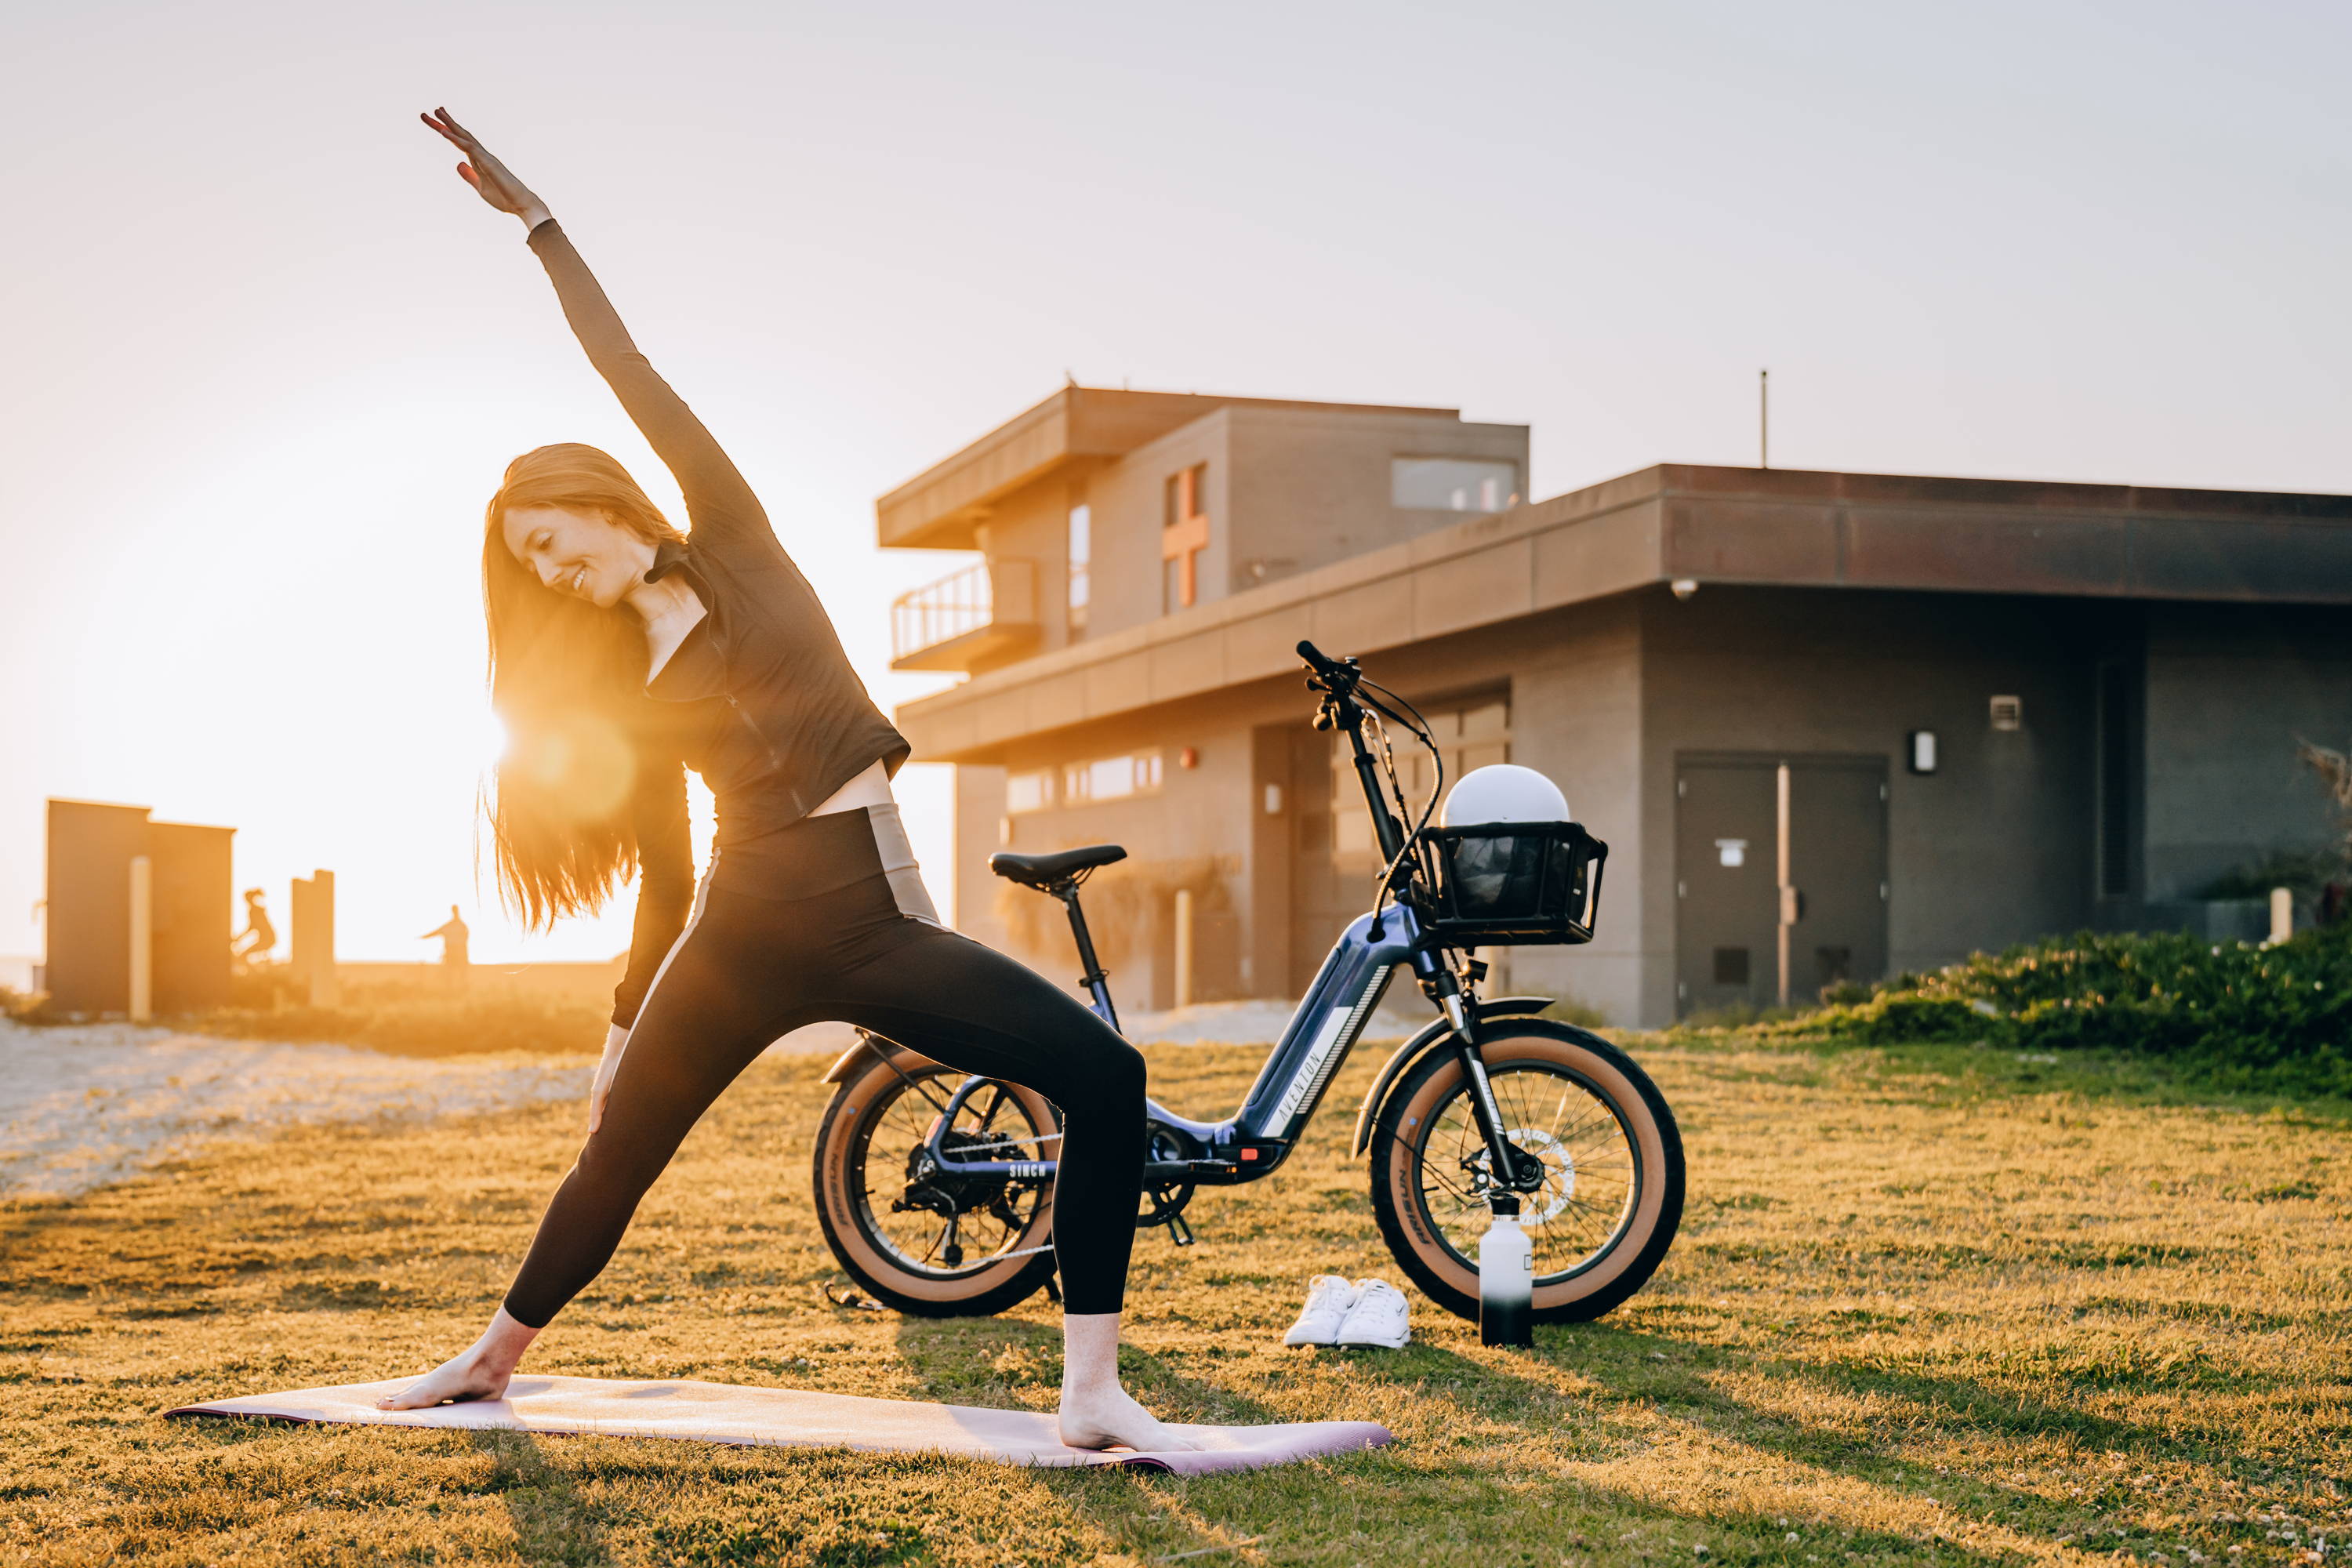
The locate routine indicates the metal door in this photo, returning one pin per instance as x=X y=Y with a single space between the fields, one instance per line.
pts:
x=1780 y=877
x=1725 y=845
x=1837 y=863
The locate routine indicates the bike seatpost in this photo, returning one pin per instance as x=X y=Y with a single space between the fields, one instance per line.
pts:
x=1094 y=978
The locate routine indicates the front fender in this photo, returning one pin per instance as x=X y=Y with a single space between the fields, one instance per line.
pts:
x=1409 y=1052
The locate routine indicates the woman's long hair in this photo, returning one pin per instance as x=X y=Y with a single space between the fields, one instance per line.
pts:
x=567 y=681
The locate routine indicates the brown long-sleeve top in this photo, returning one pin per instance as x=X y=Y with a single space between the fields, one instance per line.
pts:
x=759 y=698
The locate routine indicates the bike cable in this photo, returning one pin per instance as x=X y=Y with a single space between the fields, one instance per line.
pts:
x=1418 y=726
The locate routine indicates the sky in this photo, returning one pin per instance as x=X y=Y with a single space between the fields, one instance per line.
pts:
x=267 y=355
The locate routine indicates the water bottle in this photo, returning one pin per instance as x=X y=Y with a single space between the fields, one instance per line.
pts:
x=1506 y=1278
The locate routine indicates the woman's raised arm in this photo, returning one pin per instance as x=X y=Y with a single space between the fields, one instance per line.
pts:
x=717 y=500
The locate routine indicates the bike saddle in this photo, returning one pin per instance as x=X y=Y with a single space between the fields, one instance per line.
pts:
x=1045 y=870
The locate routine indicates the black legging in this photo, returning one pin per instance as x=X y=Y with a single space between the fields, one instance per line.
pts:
x=863 y=950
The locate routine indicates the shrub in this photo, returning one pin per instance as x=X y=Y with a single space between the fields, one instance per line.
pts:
x=2234 y=1013
x=25 y=1007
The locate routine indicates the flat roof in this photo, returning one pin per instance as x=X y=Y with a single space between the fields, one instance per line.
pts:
x=1780 y=527
x=936 y=510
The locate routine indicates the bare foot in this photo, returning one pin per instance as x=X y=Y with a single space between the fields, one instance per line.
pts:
x=1107 y=1418
x=456 y=1381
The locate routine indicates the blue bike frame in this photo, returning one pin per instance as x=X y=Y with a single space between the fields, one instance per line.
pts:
x=1321 y=1032
x=1314 y=1045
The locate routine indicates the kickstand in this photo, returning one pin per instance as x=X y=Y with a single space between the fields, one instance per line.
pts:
x=1178 y=1231
x=1054 y=1287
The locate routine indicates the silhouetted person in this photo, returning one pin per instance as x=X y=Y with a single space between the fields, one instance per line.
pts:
x=454 y=960
x=251 y=948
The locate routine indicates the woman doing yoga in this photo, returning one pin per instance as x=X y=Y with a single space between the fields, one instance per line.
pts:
x=623 y=651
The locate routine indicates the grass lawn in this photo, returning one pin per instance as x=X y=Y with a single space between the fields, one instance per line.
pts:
x=1929 y=1305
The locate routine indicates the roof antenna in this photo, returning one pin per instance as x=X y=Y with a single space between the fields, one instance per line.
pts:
x=1763 y=419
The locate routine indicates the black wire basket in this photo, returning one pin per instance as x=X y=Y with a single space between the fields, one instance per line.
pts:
x=1514 y=883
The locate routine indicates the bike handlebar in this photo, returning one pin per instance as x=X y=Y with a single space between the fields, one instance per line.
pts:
x=1325 y=666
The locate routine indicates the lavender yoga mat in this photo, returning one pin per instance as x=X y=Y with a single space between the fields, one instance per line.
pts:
x=793 y=1417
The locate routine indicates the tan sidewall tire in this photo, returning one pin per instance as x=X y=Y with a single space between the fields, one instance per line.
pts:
x=1657 y=1143
x=836 y=1196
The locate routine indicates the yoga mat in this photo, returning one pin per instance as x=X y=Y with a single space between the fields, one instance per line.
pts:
x=795 y=1418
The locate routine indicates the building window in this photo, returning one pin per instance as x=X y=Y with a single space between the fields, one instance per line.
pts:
x=1453 y=484
x=1032 y=790
x=1183 y=534
x=1110 y=778
x=1081 y=560
x=1469 y=734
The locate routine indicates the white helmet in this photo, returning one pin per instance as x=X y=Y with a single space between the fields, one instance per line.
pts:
x=1503 y=793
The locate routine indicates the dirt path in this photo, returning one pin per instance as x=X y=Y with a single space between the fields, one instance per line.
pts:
x=80 y=1106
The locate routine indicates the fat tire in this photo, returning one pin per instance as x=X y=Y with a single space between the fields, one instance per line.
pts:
x=1615 y=1077
x=989 y=1290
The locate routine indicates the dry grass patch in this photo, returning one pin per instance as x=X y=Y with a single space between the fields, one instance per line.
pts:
x=1928 y=1306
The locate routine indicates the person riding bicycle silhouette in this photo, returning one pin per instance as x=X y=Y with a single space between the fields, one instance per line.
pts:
x=250 y=950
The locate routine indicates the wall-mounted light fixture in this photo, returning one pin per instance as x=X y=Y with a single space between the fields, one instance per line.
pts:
x=1922 y=751
x=2009 y=713
x=1190 y=757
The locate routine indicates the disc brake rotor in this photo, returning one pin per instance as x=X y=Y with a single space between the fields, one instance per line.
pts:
x=1560 y=1173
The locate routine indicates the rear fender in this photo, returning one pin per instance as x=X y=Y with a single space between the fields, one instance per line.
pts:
x=1410 y=1052
x=876 y=1043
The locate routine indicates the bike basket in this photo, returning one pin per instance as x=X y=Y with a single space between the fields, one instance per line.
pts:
x=1511 y=883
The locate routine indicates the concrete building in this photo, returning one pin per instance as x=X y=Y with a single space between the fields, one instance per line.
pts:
x=138 y=911
x=1968 y=712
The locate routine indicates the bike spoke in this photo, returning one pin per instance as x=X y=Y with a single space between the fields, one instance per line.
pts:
x=917 y=1238
x=1583 y=1148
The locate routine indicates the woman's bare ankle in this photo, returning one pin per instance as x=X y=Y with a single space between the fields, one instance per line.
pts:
x=1097 y=1412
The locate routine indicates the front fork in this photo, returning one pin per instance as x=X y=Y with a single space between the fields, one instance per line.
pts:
x=1510 y=1170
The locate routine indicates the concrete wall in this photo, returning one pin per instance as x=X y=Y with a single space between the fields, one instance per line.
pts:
x=1288 y=491
x=90 y=847
x=1993 y=848
x=1311 y=486
x=1032 y=525
x=1574 y=678
x=1577 y=718
x=2229 y=689
x=1194 y=831
x=1129 y=497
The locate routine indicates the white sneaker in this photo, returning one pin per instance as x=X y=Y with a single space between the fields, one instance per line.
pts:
x=1378 y=1317
x=1328 y=1297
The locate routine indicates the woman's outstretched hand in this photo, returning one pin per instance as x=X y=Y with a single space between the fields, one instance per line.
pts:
x=491 y=180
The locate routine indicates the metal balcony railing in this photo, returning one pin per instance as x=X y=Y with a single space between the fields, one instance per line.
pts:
x=985 y=609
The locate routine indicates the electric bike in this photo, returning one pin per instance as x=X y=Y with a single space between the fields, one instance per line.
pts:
x=935 y=1188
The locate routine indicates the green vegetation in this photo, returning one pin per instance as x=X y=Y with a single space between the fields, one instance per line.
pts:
x=1931 y=1304
x=2230 y=1015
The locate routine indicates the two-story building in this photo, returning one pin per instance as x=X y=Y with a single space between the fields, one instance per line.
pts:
x=1831 y=724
